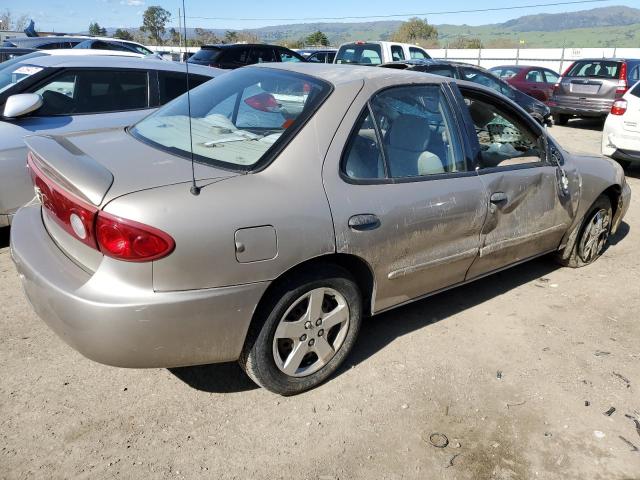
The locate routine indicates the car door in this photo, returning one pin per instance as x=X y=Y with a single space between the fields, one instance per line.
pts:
x=530 y=202
x=402 y=194
x=535 y=84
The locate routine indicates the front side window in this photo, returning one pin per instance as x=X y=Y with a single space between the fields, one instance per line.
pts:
x=504 y=139
x=397 y=53
x=262 y=55
x=505 y=72
x=365 y=54
x=237 y=118
x=411 y=130
x=94 y=91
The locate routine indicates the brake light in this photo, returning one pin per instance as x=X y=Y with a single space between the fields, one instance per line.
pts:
x=114 y=236
x=265 y=102
x=131 y=241
x=74 y=215
x=556 y=87
x=622 y=82
x=619 y=107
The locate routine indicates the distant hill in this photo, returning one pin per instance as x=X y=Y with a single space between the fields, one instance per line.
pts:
x=615 y=26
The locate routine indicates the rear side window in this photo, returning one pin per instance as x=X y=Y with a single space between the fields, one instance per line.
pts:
x=397 y=53
x=595 y=68
x=412 y=129
x=635 y=91
x=206 y=55
x=174 y=84
x=535 y=76
x=94 y=91
x=286 y=56
x=365 y=54
x=418 y=53
x=551 y=77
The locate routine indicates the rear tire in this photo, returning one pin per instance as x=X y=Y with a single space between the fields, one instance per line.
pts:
x=303 y=331
x=592 y=236
x=560 y=119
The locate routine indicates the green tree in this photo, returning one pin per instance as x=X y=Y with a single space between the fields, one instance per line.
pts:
x=154 y=21
x=465 y=42
x=122 y=34
x=96 y=30
x=230 y=36
x=317 y=38
x=174 y=37
x=416 y=30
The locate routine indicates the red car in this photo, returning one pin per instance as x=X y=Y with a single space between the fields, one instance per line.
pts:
x=537 y=82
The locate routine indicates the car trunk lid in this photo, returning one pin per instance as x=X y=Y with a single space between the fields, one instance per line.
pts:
x=76 y=175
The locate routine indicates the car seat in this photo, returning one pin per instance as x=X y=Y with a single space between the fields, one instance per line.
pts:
x=407 y=154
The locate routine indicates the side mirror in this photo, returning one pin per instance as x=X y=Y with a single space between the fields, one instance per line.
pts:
x=21 y=104
x=547 y=122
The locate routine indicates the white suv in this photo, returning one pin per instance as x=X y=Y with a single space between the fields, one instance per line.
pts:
x=621 y=133
x=377 y=53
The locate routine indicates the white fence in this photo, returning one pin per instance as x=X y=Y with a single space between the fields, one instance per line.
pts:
x=557 y=59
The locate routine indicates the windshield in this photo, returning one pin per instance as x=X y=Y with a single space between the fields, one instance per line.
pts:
x=15 y=70
x=363 y=54
x=595 y=68
x=237 y=118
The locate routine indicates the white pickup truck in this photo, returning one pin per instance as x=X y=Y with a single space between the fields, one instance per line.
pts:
x=377 y=53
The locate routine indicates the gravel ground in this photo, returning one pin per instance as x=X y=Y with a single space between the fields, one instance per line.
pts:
x=515 y=370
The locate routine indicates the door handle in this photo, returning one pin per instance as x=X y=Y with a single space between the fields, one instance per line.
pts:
x=364 y=222
x=498 y=197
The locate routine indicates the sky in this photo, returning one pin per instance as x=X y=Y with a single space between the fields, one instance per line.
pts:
x=75 y=15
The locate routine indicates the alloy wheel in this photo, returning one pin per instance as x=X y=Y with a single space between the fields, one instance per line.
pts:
x=310 y=332
x=595 y=235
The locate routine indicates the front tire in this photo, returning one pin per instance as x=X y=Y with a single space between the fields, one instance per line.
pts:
x=304 y=331
x=560 y=119
x=592 y=237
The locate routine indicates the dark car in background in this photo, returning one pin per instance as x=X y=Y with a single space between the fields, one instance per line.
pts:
x=239 y=55
x=589 y=87
x=115 y=45
x=52 y=42
x=319 y=55
x=8 y=53
x=537 y=82
x=479 y=75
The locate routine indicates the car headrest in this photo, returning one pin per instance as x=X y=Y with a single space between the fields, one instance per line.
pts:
x=409 y=132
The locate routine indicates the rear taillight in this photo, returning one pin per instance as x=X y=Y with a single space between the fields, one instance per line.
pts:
x=619 y=107
x=623 y=86
x=114 y=236
x=131 y=241
x=70 y=212
x=556 y=87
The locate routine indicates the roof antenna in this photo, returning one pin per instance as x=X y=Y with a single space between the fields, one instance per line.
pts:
x=195 y=189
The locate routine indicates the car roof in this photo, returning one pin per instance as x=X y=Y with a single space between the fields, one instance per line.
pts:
x=610 y=59
x=338 y=74
x=49 y=38
x=240 y=45
x=116 y=61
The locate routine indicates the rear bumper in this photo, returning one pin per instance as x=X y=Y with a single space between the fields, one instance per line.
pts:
x=580 y=107
x=128 y=327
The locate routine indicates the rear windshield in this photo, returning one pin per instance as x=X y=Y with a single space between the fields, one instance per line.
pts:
x=237 y=119
x=206 y=55
x=595 y=68
x=505 y=72
x=364 y=54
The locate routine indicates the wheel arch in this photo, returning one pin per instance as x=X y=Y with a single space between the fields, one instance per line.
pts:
x=356 y=266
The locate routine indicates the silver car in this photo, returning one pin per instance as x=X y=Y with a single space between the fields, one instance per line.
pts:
x=321 y=194
x=54 y=94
